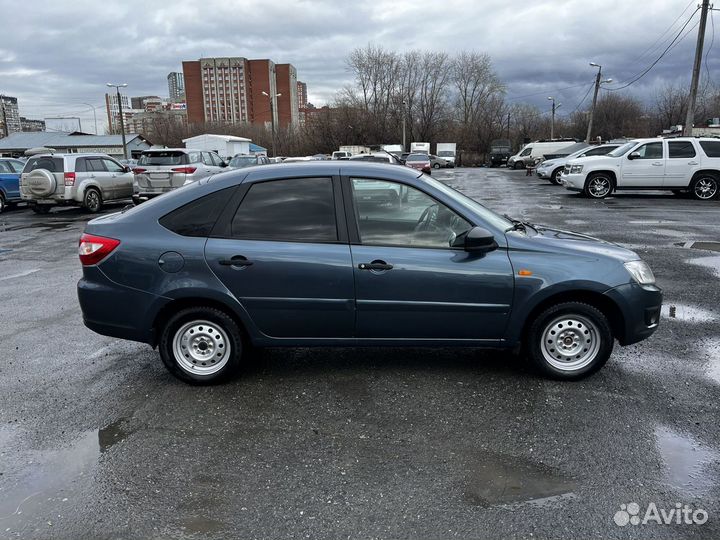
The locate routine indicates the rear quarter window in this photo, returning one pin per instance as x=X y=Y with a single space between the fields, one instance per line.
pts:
x=197 y=218
x=711 y=148
x=51 y=164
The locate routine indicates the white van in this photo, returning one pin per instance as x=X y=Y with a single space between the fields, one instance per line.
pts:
x=534 y=151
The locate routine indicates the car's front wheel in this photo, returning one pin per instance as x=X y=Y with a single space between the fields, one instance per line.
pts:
x=570 y=341
x=519 y=165
x=3 y=205
x=598 y=186
x=201 y=345
x=555 y=178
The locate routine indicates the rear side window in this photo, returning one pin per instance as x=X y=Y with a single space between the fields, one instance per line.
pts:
x=711 y=148
x=681 y=149
x=300 y=210
x=51 y=164
x=197 y=218
x=163 y=158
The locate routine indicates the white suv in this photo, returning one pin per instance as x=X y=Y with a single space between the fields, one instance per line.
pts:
x=678 y=165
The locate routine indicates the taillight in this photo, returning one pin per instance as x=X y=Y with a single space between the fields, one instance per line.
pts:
x=93 y=249
x=138 y=170
x=69 y=178
x=184 y=170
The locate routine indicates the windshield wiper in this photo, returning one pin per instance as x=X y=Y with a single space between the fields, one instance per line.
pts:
x=518 y=225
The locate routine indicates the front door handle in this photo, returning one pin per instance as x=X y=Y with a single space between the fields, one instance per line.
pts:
x=656 y=164
x=236 y=260
x=692 y=162
x=375 y=265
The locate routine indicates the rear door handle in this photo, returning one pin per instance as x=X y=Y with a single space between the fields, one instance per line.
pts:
x=375 y=265
x=236 y=260
x=692 y=162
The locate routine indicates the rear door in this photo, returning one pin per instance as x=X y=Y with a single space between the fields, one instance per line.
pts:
x=645 y=171
x=9 y=181
x=283 y=253
x=681 y=164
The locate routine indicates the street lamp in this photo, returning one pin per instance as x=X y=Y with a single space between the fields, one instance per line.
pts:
x=598 y=82
x=122 y=120
x=552 y=122
x=272 y=116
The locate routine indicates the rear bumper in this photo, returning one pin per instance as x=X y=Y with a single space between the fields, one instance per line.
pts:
x=640 y=307
x=114 y=310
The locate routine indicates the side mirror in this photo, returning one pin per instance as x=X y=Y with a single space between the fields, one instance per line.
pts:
x=127 y=168
x=634 y=155
x=477 y=240
x=223 y=164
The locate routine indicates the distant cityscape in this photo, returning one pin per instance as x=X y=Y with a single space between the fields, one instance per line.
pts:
x=220 y=90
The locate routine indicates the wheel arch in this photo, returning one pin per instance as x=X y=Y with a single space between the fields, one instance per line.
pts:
x=711 y=172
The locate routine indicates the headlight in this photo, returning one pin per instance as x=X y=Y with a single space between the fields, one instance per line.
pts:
x=574 y=169
x=640 y=271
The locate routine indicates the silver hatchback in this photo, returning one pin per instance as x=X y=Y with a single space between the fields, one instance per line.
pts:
x=162 y=170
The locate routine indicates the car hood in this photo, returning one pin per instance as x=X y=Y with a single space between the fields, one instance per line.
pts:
x=548 y=163
x=587 y=159
x=551 y=239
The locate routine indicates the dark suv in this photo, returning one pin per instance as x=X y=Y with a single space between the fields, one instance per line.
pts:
x=299 y=255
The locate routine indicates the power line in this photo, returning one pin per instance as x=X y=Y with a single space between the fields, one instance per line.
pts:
x=637 y=77
x=582 y=100
x=547 y=92
x=660 y=41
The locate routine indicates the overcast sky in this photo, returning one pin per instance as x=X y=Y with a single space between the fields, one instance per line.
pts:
x=56 y=56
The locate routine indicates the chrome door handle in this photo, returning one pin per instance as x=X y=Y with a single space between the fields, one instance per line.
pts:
x=656 y=164
x=692 y=162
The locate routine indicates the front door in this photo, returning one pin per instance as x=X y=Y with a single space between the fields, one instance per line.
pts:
x=121 y=180
x=410 y=284
x=647 y=170
x=287 y=262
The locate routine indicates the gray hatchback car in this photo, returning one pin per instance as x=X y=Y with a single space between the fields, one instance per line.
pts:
x=299 y=255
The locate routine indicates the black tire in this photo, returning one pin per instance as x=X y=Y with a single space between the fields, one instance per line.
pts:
x=92 y=201
x=555 y=176
x=704 y=187
x=580 y=320
x=3 y=204
x=436 y=166
x=199 y=315
x=593 y=183
x=41 y=208
x=519 y=165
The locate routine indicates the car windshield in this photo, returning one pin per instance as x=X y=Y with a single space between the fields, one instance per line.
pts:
x=162 y=158
x=243 y=161
x=417 y=157
x=486 y=214
x=621 y=151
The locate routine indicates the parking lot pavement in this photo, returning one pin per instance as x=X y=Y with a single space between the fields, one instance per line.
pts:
x=97 y=440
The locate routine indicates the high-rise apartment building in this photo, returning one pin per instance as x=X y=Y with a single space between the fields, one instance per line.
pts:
x=216 y=90
x=9 y=116
x=287 y=101
x=113 y=110
x=176 y=86
x=302 y=97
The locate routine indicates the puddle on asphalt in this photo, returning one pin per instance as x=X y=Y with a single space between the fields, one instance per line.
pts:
x=505 y=480
x=201 y=524
x=712 y=353
x=51 y=478
x=652 y=221
x=682 y=312
x=685 y=461
x=576 y=221
x=707 y=246
x=713 y=263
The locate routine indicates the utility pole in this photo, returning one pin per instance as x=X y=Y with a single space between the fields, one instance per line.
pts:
x=690 y=118
x=403 y=124
x=508 y=126
x=552 y=121
x=122 y=120
x=598 y=82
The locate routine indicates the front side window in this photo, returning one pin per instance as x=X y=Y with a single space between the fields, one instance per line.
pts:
x=393 y=214
x=681 y=149
x=526 y=152
x=113 y=166
x=653 y=150
x=297 y=210
x=16 y=166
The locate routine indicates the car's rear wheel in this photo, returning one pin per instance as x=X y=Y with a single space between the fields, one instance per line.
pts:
x=704 y=187
x=92 y=201
x=598 y=186
x=41 y=208
x=3 y=204
x=570 y=341
x=555 y=178
x=436 y=166
x=201 y=345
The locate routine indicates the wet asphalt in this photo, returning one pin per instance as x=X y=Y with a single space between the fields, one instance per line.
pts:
x=97 y=440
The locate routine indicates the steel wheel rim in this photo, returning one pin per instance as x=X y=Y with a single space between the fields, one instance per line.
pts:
x=570 y=342
x=201 y=348
x=93 y=200
x=599 y=187
x=705 y=188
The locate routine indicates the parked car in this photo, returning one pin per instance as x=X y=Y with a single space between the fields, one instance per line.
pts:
x=10 y=170
x=86 y=180
x=377 y=157
x=420 y=162
x=551 y=169
x=535 y=151
x=683 y=164
x=290 y=255
x=240 y=161
x=500 y=152
x=163 y=170
x=438 y=162
x=340 y=154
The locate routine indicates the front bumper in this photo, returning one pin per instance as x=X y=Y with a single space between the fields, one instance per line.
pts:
x=640 y=307
x=543 y=173
x=573 y=182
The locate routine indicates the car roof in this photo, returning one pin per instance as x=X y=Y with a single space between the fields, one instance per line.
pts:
x=325 y=168
x=72 y=154
x=174 y=150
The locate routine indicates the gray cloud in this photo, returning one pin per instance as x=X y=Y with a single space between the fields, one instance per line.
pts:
x=61 y=57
